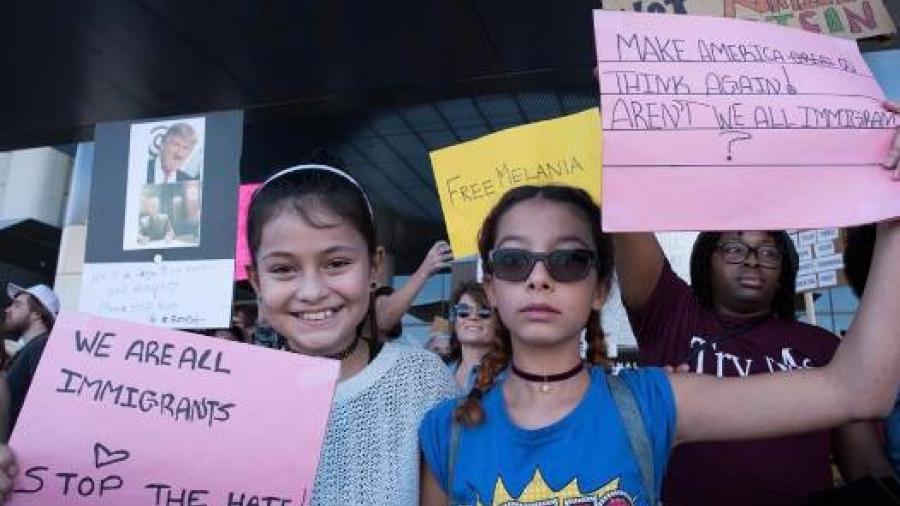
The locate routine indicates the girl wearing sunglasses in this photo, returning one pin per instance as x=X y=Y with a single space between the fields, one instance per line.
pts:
x=559 y=430
x=472 y=332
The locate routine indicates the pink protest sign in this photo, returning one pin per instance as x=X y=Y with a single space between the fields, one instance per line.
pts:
x=120 y=413
x=242 y=250
x=718 y=124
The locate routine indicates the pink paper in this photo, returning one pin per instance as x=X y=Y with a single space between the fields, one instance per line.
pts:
x=257 y=420
x=718 y=124
x=242 y=250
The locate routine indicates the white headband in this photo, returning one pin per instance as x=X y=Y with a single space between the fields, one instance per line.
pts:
x=326 y=168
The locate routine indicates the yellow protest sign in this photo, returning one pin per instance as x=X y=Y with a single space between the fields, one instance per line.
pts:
x=472 y=176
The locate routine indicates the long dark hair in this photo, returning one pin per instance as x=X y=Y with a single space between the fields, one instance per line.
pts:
x=858 y=256
x=470 y=412
x=783 y=303
x=475 y=290
x=305 y=190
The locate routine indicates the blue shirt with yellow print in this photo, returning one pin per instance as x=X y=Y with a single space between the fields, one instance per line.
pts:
x=583 y=459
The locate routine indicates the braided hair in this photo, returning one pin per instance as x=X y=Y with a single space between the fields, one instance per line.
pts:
x=470 y=412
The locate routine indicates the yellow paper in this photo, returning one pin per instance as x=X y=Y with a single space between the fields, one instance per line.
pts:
x=472 y=176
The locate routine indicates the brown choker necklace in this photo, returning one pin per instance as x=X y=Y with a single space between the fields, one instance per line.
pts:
x=546 y=379
x=346 y=352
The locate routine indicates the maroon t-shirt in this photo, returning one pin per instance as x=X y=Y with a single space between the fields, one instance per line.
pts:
x=779 y=471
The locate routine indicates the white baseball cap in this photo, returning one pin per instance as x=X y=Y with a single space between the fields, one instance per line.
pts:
x=42 y=293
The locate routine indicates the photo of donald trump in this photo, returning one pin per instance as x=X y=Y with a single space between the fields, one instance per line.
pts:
x=175 y=150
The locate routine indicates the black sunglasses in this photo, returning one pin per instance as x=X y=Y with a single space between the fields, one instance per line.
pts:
x=564 y=265
x=464 y=311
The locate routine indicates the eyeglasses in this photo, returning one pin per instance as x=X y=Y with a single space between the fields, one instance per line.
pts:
x=735 y=252
x=464 y=311
x=563 y=265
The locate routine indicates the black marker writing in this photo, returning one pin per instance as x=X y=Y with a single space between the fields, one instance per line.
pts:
x=86 y=485
x=167 y=496
x=33 y=473
x=96 y=346
x=234 y=499
x=649 y=48
x=176 y=407
x=164 y=354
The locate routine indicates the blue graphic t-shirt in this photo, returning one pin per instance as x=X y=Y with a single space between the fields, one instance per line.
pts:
x=583 y=459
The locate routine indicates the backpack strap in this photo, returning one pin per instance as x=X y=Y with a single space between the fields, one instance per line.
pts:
x=637 y=433
x=454 y=451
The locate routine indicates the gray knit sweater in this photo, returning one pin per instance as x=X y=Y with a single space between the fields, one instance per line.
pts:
x=371 y=450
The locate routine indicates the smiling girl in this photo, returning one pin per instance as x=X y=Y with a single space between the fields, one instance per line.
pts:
x=312 y=238
x=558 y=430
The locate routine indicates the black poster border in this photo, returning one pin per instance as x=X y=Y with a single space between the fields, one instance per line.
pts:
x=221 y=177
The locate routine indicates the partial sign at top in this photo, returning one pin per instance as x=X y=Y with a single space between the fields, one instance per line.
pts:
x=854 y=19
x=472 y=176
x=723 y=124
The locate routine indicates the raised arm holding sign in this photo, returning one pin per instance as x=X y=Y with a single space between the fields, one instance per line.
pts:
x=571 y=431
x=737 y=317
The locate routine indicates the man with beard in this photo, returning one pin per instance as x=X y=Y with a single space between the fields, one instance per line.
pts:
x=735 y=319
x=30 y=317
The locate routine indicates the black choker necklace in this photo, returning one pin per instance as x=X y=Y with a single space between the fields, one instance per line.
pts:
x=545 y=379
x=346 y=352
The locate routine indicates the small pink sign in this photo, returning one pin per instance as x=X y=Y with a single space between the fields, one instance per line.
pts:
x=126 y=414
x=242 y=250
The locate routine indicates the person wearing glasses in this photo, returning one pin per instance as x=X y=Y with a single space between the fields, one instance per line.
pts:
x=737 y=318
x=471 y=334
x=559 y=429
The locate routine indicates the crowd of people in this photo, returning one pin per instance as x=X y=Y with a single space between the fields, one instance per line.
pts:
x=736 y=403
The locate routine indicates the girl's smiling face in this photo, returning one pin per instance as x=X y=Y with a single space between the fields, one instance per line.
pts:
x=313 y=280
x=541 y=311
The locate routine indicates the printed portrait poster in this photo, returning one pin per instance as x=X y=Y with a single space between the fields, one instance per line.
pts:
x=165 y=184
x=161 y=228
